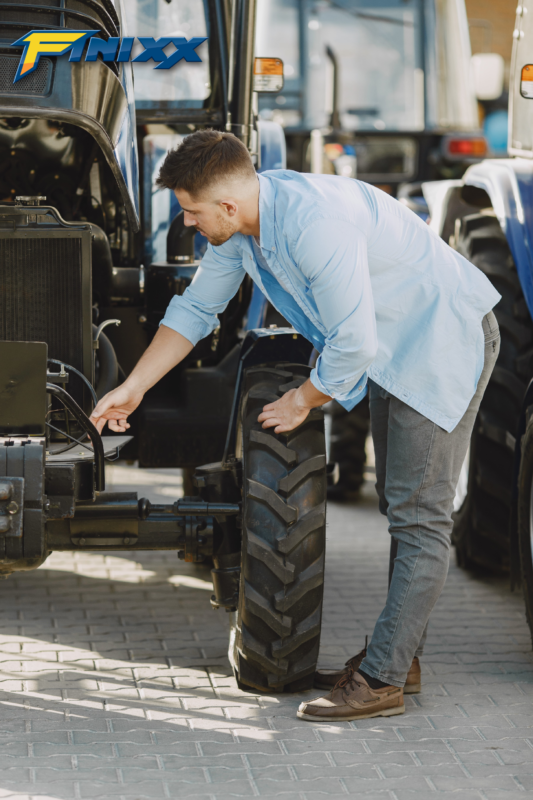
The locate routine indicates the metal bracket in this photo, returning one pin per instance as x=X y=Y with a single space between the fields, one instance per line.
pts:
x=197 y=537
x=11 y=506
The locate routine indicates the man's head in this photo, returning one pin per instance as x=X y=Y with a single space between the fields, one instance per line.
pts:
x=213 y=177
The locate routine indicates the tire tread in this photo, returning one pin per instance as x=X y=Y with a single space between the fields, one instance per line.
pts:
x=282 y=571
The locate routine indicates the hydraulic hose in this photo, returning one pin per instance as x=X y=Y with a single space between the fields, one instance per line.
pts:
x=108 y=378
x=79 y=374
x=88 y=427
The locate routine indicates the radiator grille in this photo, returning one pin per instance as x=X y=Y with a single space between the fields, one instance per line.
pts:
x=41 y=294
x=36 y=83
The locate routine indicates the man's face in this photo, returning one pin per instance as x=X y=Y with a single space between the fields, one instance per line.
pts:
x=214 y=219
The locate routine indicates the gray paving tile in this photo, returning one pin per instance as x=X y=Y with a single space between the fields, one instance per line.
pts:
x=115 y=684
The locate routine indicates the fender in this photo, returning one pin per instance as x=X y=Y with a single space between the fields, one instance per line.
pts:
x=509 y=184
x=260 y=346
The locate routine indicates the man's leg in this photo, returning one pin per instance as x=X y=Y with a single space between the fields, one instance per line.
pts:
x=379 y=401
x=423 y=466
x=379 y=421
x=423 y=463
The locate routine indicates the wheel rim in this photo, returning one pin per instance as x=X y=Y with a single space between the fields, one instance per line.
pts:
x=462 y=484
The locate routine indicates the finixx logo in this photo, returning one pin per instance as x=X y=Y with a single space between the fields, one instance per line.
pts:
x=57 y=43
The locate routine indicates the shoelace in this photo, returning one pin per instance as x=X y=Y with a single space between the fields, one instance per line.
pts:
x=351 y=661
x=349 y=676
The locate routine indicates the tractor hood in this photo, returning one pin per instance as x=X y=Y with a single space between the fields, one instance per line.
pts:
x=91 y=96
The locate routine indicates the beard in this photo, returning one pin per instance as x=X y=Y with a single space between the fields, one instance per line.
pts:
x=224 y=232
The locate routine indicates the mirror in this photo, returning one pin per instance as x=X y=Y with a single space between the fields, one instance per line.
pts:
x=487 y=70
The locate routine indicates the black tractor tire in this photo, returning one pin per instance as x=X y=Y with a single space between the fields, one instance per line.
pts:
x=525 y=520
x=277 y=627
x=349 y=432
x=481 y=524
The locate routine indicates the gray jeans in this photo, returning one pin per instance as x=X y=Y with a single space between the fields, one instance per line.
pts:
x=417 y=470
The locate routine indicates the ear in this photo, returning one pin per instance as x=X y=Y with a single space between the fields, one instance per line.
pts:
x=230 y=207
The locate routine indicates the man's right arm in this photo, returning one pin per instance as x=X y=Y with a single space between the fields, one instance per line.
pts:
x=167 y=349
x=189 y=318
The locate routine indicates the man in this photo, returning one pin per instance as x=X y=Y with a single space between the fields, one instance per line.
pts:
x=383 y=299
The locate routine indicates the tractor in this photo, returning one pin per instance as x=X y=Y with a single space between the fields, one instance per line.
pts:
x=91 y=253
x=487 y=216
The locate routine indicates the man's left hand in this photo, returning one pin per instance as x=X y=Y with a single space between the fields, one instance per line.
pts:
x=286 y=413
x=290 y=410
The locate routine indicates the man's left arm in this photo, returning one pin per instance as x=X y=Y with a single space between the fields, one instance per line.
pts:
x=332 y=254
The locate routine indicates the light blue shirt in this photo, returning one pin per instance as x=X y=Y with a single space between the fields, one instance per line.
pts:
x=377 y=292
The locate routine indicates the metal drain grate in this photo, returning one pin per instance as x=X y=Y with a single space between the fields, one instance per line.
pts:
x=36 y=83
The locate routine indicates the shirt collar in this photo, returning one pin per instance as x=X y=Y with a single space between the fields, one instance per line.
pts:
x=267 y=213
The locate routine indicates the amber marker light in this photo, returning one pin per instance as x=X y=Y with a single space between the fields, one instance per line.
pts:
x=268 y=75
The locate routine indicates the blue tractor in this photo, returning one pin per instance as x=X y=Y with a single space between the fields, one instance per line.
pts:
x=488 y=217
x=88 y=264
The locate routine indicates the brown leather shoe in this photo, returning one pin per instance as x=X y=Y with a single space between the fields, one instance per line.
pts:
x=328 y=678
x=413 y=682
x=353 y=699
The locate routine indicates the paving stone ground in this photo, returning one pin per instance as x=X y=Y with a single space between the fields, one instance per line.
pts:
x=114 y=683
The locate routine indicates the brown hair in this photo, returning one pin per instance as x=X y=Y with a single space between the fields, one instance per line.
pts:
x=202 y=159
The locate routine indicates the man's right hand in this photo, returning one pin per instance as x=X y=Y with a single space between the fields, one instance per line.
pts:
x=167 y=349
x=115 y=408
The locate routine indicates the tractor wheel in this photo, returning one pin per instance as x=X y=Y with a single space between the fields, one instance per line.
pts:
x=274 y=647
x=525 y=520
x=349 y=431
x=483 y=500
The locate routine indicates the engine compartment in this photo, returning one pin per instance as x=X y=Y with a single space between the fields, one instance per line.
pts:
x=62 y=163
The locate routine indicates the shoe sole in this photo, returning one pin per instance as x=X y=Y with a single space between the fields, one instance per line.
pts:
x=413 y=688
x=387 y=712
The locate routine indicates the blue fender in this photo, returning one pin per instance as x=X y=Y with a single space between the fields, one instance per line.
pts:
x=509 y=184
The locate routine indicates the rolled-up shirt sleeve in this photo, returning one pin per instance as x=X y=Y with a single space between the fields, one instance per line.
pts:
x=332 y=254
x=194 y=313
